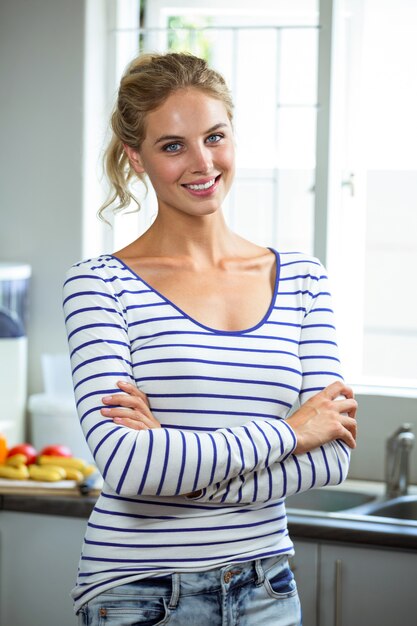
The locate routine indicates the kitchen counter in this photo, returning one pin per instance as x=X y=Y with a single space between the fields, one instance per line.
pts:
x=358 y=530
x=48 y=504
x=306 y=525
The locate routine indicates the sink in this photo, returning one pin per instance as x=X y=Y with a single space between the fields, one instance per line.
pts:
x=403 y=507
x=328 y=500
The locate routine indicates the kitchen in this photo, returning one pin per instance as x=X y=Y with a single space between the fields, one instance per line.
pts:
x=44 y=225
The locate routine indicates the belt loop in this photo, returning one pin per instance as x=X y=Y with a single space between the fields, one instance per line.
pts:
x=260 y=574
x=175 y=595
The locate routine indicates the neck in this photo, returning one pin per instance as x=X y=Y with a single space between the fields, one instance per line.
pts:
x=206 y=239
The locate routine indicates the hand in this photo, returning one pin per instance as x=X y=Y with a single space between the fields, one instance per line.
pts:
x=131 y=408
x=325 y=417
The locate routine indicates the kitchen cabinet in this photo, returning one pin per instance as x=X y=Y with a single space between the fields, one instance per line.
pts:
x=305 y=565
x=39 y=557
x=361 y=586
x=355 y=585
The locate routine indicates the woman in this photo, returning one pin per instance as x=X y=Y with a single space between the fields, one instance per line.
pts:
x=191 y=349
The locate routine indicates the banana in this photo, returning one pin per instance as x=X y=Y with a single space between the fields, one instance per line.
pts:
x=16 y=460
x=63 y=461
x=88 y=470
x=73 y=474
x=48 y=468
x=57 y=468
x=47 y=474
x=15 y=473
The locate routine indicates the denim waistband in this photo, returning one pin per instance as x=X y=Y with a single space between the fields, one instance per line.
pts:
x=190 y=583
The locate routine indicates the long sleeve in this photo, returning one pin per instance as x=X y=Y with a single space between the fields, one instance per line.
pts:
x=167 y=461
x=327 y=465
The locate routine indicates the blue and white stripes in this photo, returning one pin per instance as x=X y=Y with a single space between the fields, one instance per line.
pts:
x=222 y=399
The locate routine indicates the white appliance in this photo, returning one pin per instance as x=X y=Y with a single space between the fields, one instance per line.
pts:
x=14 y=290
x=53 y=414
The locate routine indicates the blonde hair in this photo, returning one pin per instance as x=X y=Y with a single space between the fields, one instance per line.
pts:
x=147 y=82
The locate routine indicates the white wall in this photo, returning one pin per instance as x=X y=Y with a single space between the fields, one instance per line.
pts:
x=41 y=78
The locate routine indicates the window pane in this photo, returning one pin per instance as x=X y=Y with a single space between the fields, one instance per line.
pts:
x=377 y=215
x=298 y=78
x=390 y=345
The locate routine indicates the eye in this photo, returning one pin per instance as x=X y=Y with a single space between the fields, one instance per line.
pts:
x=215 y=138
x=171 y=147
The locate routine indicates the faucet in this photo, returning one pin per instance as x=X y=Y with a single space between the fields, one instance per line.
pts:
x=398 y=448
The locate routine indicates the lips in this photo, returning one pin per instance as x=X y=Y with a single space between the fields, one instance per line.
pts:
x=202 y=187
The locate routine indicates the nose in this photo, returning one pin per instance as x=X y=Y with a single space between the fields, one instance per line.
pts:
x=201 y=161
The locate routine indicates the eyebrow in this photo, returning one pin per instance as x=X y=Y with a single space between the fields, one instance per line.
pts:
x=179 y=137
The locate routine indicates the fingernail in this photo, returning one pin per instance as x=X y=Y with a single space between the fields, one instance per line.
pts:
x=107 y=399
x=122 y=383
x=105 y=411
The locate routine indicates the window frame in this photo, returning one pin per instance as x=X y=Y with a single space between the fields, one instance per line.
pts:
x=333 y=174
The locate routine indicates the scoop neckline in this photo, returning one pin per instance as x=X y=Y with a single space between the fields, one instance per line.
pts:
x=200 y=324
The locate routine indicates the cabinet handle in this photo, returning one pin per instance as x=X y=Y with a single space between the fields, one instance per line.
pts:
x=338 y=593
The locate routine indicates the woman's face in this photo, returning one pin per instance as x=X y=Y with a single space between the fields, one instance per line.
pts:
x=188 y=153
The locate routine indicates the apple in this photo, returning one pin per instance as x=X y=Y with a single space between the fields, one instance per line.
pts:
x=56 y=450
x=26 y=449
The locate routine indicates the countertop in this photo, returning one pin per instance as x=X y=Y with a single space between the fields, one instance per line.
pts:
x=306 y=525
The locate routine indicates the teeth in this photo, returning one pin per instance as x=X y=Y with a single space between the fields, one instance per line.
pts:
x=203 y=186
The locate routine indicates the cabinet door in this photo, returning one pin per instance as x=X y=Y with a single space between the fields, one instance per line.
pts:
x=364 y=586
x=39 y=557
x=304 y=564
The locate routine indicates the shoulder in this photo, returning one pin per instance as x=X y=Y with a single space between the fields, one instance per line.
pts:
x=302 y=275
x=100 y=275
x=97 y=266
x=301 y=265
x=105 y=269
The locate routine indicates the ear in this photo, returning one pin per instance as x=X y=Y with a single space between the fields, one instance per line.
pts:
x=134 y=159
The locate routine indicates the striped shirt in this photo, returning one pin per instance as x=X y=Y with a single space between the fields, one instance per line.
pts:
x=221 y=397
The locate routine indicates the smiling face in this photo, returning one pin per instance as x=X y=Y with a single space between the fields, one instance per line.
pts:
x=188 y=153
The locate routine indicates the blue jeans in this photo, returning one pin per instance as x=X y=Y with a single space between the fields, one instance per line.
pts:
x=258 y=593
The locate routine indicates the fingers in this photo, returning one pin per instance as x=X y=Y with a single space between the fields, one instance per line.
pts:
x=351 y=426
x=127 y=401
x=132 y=390
x=346 y=406
x=124 y=412
x=130 y=409
x=348 y=432
x=343 y=415
x=135 y=422
x=132 y=418
x=338 y=388
x=337 y=396
x=327 y=416
x=348 y=439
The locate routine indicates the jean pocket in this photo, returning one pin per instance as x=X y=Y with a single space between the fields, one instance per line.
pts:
x=280 y=584
x=138 y=612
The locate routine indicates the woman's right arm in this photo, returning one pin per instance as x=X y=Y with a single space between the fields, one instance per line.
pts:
x=162 y=461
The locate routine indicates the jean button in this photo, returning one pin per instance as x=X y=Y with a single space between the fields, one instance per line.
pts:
x=227 y=577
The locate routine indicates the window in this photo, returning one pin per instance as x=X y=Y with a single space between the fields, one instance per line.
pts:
x=360 y=217
x=270 y=49
x=372 y=244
